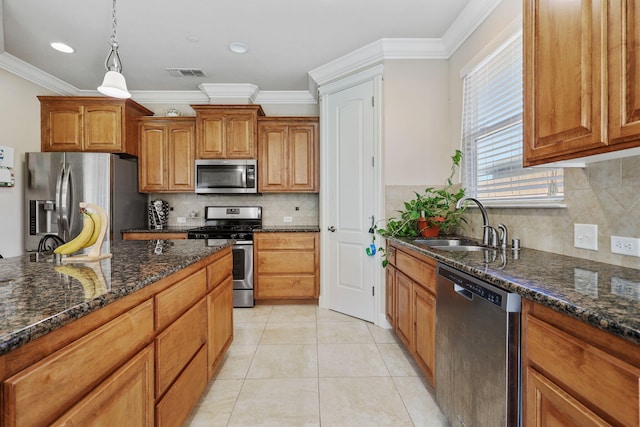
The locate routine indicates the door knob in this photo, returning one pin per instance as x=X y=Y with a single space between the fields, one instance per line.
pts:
x=332 y=229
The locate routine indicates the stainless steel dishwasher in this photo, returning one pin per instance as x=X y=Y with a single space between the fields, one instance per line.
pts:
x=477 y=351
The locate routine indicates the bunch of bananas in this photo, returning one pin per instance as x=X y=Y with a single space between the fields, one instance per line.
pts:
x=93 y=286
x=92 y=223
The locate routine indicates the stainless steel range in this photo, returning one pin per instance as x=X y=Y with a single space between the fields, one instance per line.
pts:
x=238 y=223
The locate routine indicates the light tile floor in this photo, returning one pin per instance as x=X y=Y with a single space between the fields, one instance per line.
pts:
x=301 y=365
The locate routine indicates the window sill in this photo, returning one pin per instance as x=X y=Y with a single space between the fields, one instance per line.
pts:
x=490 y=204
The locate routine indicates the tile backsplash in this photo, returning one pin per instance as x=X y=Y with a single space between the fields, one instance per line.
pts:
x=301 y=207
x=605 y=193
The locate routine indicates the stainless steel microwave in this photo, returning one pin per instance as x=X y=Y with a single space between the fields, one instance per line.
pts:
x=226 y=176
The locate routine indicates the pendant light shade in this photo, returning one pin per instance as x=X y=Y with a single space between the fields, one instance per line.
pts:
x=114 y=84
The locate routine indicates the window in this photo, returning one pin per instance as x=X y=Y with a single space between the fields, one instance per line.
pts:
x=492 y=134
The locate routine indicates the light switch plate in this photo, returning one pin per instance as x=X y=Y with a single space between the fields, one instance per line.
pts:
x=585 y=236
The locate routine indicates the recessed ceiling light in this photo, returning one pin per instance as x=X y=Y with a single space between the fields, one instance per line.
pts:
x=238 y=47
x=61 y=47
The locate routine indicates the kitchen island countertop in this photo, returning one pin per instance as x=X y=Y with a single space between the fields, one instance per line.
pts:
x=602 y=295
x=39 y=295
x=263 y=229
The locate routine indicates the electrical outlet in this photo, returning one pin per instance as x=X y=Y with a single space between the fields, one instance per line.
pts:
x=181 y=220
x=288 y=219
x=625 y=246
x=585 y=236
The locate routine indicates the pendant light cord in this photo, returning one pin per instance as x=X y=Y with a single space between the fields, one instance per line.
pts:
x=114 y=35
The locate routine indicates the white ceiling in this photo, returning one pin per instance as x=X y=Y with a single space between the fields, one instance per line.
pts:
x=287 y=39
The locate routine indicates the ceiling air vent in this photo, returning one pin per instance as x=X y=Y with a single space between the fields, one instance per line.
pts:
x=186 y=72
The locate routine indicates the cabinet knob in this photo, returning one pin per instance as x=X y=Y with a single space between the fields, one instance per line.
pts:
x=332 y=229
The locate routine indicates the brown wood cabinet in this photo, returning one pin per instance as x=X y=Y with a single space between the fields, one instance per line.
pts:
x=288 y=154
x=219 y=311
x=411 y=278
x=41 y=393
x=575 y=374
x=169 y=235
x=226 y=131
x=166 y=154
x=125 y=398
x=390 y=298
x=141 y=360
x=581 y=86
x=93 y=124
x=286 y=266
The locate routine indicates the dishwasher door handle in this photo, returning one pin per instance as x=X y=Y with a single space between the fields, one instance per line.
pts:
x=462 y=291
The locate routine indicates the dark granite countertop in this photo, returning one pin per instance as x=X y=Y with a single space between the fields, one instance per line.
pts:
x=38 y=297
x=172 y=229
x=264 y=229
x=603 y=295
x=289 y=229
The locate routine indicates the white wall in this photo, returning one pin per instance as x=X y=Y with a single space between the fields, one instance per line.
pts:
x=416 y=126
x=502 y=16
x=20 y=129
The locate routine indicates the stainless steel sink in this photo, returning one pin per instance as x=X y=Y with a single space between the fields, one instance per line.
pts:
x=462 y=248
x=445 y=242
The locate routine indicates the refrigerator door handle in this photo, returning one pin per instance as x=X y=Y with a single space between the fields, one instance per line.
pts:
x=64 y=202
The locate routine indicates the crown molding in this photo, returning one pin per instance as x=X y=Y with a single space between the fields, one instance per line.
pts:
x=35 y=75
x=406 y=48
x=474 y=14
x=223 y=92
x=285 y=97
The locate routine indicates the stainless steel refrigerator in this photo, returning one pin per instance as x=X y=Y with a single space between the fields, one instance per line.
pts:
x=56 y=182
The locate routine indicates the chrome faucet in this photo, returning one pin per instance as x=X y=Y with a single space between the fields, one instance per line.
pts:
x=504 y=235
x=487 y=230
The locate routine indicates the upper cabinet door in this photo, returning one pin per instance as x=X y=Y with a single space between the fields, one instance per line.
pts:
x=61 y=127
x=303 y=157
x=565 y=60
x=103 y=128
x=181 y=156
x=226 y=131
x=90 y=123
x=624 y=72
x=288 y=154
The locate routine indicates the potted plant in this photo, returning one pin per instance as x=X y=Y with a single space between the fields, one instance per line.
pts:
x=431 y=212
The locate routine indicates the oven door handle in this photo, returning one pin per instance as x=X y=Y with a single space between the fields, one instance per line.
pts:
x=243 y=242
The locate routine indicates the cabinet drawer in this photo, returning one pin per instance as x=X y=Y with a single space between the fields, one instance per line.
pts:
x=218 y=271
x=422 y=271
x=175 y=406
x=286 y=262
x=125 y=398
x=177 y=299
x=44 y=391
x=178 y=343
x=286 y=241
x=286 y=287
x=595 y=378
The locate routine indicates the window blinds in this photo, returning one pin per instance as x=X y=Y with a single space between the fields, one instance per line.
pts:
x=492 y=133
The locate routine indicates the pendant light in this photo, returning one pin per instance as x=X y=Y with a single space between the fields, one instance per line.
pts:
x=114 y=84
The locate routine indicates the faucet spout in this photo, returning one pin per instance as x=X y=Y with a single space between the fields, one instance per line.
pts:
x=486 y=228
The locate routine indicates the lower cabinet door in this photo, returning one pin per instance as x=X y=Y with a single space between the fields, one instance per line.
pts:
x=220 y=315
x=176 y=405
x=548 y=405
x=178 y=343
x=425 y=331
x=125 y=398
x=390 y=291
x=404 y=312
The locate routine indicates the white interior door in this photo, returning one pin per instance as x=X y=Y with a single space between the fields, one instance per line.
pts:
x=349 y=200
